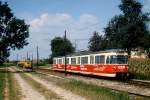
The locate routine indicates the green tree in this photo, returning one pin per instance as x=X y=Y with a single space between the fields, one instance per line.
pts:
x=13 y=32
x=96 y=42
x=59 y=45
x=129 y=29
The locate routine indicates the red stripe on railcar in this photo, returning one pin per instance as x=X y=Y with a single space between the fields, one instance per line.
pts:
x=108 y=70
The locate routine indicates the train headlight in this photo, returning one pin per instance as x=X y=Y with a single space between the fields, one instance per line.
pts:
x=121 y=67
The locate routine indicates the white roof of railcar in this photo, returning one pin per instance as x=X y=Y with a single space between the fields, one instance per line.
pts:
x=82 y=53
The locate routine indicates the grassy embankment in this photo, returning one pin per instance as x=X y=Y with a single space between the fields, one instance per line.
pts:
x=140 y=68
x=2 y=85
x=50 y=95
x=44 y=66
x=94 y=92
x=89 y=91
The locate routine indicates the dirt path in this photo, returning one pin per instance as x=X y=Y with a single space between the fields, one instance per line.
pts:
x=27 y=91
x=67 y=95
x=34 y=95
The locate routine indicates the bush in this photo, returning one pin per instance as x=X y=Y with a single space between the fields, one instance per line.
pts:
x=7 y=65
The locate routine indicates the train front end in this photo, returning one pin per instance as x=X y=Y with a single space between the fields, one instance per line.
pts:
x=120 y=64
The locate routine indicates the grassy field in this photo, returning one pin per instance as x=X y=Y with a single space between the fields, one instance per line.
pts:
x=2 y=85
x=140 y=68
x=7 y=65
x=89 y=91
x=94 y=92
x=45 y=66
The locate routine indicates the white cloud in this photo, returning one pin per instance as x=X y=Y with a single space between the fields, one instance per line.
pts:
x=61 y=20
x=47 y=26
x=87 y=19
x=49 y=21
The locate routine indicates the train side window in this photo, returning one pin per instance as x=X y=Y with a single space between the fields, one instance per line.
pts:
x=108 y=60
x=63 y=60
x=57 y=61
x=91 y=59
x=73 y=60
x=60 y=61
x=84 y=60
x=67 y=60
x=54 y=61
x=78 y=60
x=97 y=59
x=100 y=59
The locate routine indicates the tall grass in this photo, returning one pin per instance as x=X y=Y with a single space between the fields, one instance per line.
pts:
x=140 y=68
x=89 y=91
x=93 y=92
x=2 y=85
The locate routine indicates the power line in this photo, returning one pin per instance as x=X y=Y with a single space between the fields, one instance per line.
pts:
x=88 y=26
x=83 y=28
x=76 y=40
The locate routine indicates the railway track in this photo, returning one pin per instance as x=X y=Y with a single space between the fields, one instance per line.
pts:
x=133 y=87
x=142 y=83
x=139 y=82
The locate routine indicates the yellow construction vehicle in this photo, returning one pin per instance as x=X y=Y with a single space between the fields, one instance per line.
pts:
x=26 y=65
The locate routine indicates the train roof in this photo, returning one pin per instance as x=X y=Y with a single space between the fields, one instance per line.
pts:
x=91 y=52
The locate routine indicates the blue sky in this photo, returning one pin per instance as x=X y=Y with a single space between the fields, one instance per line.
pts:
x=49 y=18
x=73 y=7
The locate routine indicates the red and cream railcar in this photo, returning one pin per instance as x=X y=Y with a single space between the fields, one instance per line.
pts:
x=110 y=63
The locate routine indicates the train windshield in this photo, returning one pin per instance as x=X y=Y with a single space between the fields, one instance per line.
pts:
x=118 y=59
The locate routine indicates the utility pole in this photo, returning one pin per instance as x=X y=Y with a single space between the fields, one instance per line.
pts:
x=65 y=55
x=32 y=56
x=17 y=57
x=32 y=61
x=27 y=56
x=37 y=49
x=49 y=59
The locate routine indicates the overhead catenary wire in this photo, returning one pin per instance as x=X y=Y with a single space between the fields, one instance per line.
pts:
x=75 y=39
x=85 y=28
